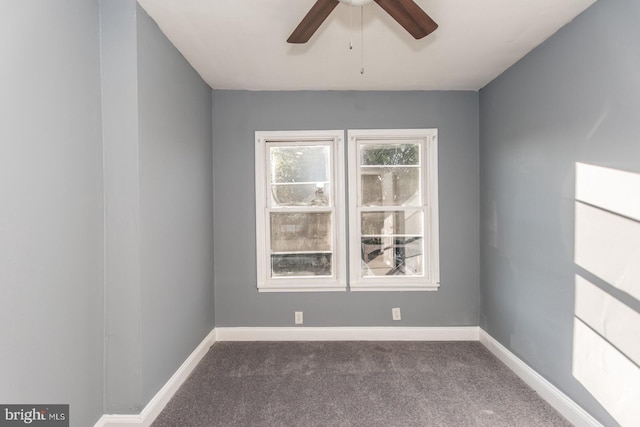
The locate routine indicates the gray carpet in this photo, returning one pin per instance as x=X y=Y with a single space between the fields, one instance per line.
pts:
x=354 y=384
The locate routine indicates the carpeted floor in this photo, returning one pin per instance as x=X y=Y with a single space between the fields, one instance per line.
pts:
x=355 y=384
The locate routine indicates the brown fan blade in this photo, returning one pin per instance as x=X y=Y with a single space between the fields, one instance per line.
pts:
x=410 y=16
x=312 y=21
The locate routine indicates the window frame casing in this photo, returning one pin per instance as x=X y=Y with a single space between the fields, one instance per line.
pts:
x=428 y=140
x=265 y=282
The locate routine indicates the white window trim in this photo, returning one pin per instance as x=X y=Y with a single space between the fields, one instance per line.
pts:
x=266 y=283
x=429 y=183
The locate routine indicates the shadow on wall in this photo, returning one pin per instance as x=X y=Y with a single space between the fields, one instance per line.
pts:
x=606 y=334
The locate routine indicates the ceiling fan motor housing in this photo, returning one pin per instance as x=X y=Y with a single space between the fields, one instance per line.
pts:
x=355 y=2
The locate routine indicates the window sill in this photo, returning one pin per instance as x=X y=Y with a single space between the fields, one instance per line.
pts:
x=302 y=289
x=398 y=288
x=352 y=288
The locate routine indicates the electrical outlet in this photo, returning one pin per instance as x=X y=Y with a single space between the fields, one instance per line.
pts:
x=395 y=313
x=298 y=318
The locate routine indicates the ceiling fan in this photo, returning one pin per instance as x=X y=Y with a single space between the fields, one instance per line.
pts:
x=406 y=12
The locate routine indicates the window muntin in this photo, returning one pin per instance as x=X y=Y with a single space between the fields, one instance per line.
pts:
x=393 y=210
x=300 y=225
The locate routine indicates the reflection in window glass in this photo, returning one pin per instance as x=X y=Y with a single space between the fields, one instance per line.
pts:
x=300 y=231
x=300 y=265
x=373 y=154
x=315 y=194
x=383 y=186
x=300 y=175
x=391 y=256
x=402 y=222
x=299 y=164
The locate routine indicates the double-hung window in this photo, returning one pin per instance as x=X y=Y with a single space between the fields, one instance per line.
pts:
x=300 y=217
x=393 y=210
x=301 y=214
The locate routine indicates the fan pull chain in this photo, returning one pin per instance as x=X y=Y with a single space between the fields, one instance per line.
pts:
x=362 y=39
x=350 y=25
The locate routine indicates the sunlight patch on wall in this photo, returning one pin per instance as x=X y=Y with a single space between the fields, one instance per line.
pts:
x=608 y=246
x=606 y=334
x=611 y=189
x=610 y=377
x=613 y=320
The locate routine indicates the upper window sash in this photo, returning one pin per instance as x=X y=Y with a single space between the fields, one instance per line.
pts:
x=295 y=189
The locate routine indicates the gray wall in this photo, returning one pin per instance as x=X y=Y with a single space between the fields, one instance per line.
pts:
x=51 y=209
x=122 y=210
x=176 y=206
x=106 y=239
x=159 y=207
x=573 y=99
x=238 y=114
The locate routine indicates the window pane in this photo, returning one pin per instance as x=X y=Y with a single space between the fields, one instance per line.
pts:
x=390 y=154
x=299 y=164
x=300 y=231
x=300 y=176
x=391 y=222
x=391 y=256
x=284 y=265
x=387 y=186
x=300 y=195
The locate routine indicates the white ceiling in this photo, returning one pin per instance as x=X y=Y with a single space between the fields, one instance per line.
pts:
x=241 y=44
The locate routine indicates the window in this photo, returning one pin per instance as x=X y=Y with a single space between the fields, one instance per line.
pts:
x=393 y=211
x=300 y=211
x=301 y=214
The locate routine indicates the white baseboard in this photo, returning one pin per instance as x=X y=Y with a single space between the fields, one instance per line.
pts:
x=464 y=333
x=162 y=397
x=560 y=401
x=120 y=421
